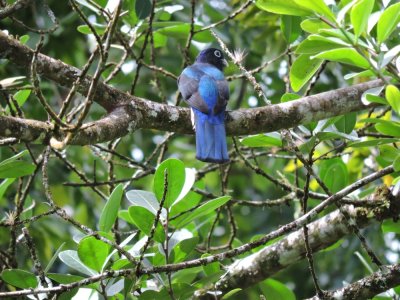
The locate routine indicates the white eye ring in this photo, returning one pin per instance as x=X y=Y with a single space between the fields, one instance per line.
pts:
x=217 y=53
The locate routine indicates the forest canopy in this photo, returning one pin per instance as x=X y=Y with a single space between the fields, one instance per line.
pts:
x=101 y=195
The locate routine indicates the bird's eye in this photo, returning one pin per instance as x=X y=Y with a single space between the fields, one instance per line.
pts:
x=217 y=53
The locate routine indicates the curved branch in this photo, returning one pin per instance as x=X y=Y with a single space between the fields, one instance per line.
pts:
x=367 y=287
x=128 y=112
x=321 y=234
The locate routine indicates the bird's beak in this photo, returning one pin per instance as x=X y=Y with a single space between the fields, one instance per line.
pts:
x=225 y=62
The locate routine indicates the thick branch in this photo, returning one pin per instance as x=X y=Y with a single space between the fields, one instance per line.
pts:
x=321 y=234
x=367 y=287
x=134 y=113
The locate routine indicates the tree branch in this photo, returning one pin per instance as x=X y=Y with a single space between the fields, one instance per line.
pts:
x=127 y=113
x=321 y=234
x=367 y=287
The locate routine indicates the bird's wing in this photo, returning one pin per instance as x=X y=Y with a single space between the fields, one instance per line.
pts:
x=188 y=84
x=223 y=96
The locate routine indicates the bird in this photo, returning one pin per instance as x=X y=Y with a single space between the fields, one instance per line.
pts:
x=205 y=89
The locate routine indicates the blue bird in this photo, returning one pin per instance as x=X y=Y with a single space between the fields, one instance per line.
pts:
x=204 y=88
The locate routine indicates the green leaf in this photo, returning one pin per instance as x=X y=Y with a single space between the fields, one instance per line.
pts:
x=110 y=210
x=53 y=258
x=181 y=31
x=204 y=209
x=396 y=163
x=21 y=97
x=276 y=290
x=71 y=259
x=332 y=135
x=143 y=8
x=302 y=70
x=392 y=95
x=360 y=14
x=144 y=199
x=373 y=142
x=19 y=278
x=93 y=252
x=212 y=268
x=287 y=7
x=231 y=293
x=313 y=25
x=143 y=219
x=176 y=180
x=85 y=29
x=4 y=186
x=317 y=6
x=346 y=123
x=334 y=174
x=345 y=55
x=290 y=26
x=184 y=248
x=13 y=168
x=24 y=39
x=388 y=128
x=388 y=22
x=316 y=44
x=289 y=97
x=262 y=140
x=388 y=153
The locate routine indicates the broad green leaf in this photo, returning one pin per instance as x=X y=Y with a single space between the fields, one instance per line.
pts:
x=360 y=14
x=19 y=278
x=372 y=94
x=204 y=209
x=318 y=7
x=334 y=174
x=276 y=290
x=212 y=268
x=290 y=26
x=181 y=31
x=388 y=22
x=346 y=123
x=332 y=135
x=24 y=39
x=13 y=168
x=262 y=140
x=71 y=259
x=16 y=168
x=68 y=278
x=392 y=95
x=388 y=154
x=184 y=248
x=176 y=179
x=287 y=7
x=390 y=226
x=190 y=178
x=93 y=252
x=191 y=199
x=289 y=97
x=144 y=220
x=21 y=97
x=302 y=70
x=366 y=73
x=144 y=199
x=110 y=210
x=85 y=29
x=142 y=8
x=389 y=56
x=373 y=142
x=316 y=44
x=388 y=128
x=396 y=163
x=313 y=25
x=4 y=186
x=345 y=55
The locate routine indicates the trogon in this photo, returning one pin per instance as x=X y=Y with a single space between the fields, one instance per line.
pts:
x=204 y=88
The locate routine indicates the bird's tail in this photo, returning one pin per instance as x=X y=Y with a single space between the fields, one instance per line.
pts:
x=211 y=141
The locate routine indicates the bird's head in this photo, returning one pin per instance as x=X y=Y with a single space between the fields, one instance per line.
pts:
x=212 y=56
